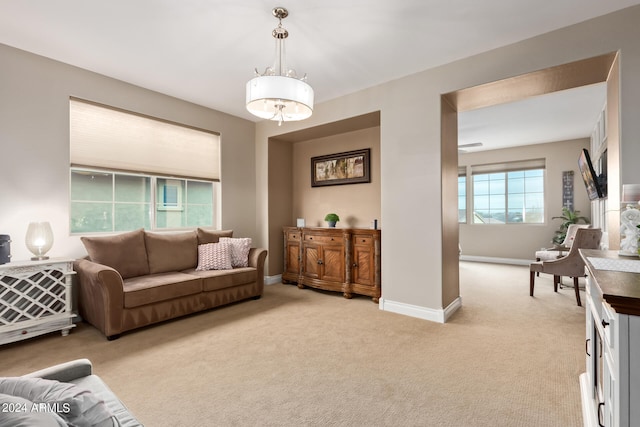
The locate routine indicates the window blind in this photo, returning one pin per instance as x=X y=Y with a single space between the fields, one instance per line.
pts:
x=110 y=138
x=508 y=166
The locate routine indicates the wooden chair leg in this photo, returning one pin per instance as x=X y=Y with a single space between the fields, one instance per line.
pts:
x=532 y=278
x=575 y=285
x=556 y=280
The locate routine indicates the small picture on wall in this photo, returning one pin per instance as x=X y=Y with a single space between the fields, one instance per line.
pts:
x=351 y=167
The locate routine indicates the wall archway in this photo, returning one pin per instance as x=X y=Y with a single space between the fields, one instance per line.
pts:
x=599 y=69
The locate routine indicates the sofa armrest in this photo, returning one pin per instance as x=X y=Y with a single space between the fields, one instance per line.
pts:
x=100 y=295
x=257 y=258
x=64 y=372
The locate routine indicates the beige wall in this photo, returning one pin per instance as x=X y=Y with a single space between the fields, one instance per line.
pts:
x=410 y=116
x=357 y=205
x=280 y=201
x=520 y=241
x=34 y=146
x=291 y=195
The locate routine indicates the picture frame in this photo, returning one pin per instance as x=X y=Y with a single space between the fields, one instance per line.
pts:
x=349 y=167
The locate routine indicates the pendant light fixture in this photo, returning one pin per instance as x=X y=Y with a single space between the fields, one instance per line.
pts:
x=278 y=94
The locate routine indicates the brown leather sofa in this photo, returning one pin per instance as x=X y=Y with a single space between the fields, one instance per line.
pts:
x=138 y=278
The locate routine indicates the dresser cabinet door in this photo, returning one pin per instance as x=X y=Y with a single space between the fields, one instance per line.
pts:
x=311 y=257
x=324 y=262
x=293 y=259
x=292 y=255
x=362 y=268
x=332 y=265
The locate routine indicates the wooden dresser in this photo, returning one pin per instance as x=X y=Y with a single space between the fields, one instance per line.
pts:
x=345 y=260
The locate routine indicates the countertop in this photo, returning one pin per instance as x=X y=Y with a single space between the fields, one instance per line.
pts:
x=621 y=290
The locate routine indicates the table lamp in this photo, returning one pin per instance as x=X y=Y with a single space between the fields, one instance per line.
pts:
x=39 y=239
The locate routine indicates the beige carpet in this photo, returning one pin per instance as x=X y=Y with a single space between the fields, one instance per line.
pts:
x=312 y=358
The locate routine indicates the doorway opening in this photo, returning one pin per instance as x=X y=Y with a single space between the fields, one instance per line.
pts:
x=585 y=72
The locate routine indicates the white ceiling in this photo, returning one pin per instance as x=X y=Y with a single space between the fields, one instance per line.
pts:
x=204 y=51
x=559 y=116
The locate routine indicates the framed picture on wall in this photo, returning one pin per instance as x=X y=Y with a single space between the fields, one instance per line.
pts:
x=351 y=167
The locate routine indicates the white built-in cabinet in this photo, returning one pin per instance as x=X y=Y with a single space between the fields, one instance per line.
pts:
x=610 y=387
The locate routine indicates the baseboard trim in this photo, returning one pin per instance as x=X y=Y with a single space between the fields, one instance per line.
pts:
x=589 y=416
x=273 y=280
x=495 y=260
x=425 y=313
x=452 y=308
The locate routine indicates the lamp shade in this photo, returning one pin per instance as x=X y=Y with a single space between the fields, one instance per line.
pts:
x=279 y=98
x=630 y=193
x=39 y=239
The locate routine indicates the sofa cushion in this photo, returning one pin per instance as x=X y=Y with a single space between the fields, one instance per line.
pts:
x=214 y=256
x=125 y=252
x=77 y=406
x=171 y=251
x=159 y=287
x=221 y=279
x=101 y=390
x=212 y=236
x=240 y=247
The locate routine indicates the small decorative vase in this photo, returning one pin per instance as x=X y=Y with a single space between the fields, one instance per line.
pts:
x=332 y=223
x=629 y=220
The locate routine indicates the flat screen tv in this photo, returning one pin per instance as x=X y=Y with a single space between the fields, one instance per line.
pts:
x=593 y=183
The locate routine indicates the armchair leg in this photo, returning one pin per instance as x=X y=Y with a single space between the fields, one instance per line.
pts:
x=556 y=280
x=532 y=278
x=575 y=285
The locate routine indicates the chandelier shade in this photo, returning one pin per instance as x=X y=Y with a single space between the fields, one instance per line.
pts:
x=278 y=94
x=279 y=97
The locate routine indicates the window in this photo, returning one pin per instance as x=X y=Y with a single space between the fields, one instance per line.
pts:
x=514 y=194
x=130 y=171
x=462 y=195
x=103 y=201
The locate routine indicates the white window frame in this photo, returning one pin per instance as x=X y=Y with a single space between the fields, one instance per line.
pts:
x=155 y=205
x=517 y=166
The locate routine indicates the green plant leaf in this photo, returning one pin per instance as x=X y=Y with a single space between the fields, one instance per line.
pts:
x=332 y=217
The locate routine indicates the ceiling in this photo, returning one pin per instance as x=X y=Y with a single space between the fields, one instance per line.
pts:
x=558 y=116
x=204 y=51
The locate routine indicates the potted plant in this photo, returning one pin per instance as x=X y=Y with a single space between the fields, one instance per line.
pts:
x=568 y=217
x=332 y=218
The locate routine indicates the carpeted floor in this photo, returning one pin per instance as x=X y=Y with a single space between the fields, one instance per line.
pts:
x=312 y=358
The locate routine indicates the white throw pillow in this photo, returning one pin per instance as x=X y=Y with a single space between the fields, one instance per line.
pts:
x=240 y=247
x=214 y=256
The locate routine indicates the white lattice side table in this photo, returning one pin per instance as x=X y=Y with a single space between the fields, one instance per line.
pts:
x=35 y=298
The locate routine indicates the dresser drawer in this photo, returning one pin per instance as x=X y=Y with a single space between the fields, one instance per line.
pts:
x=363 y=240
x=322 y=239
x=293 y=236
